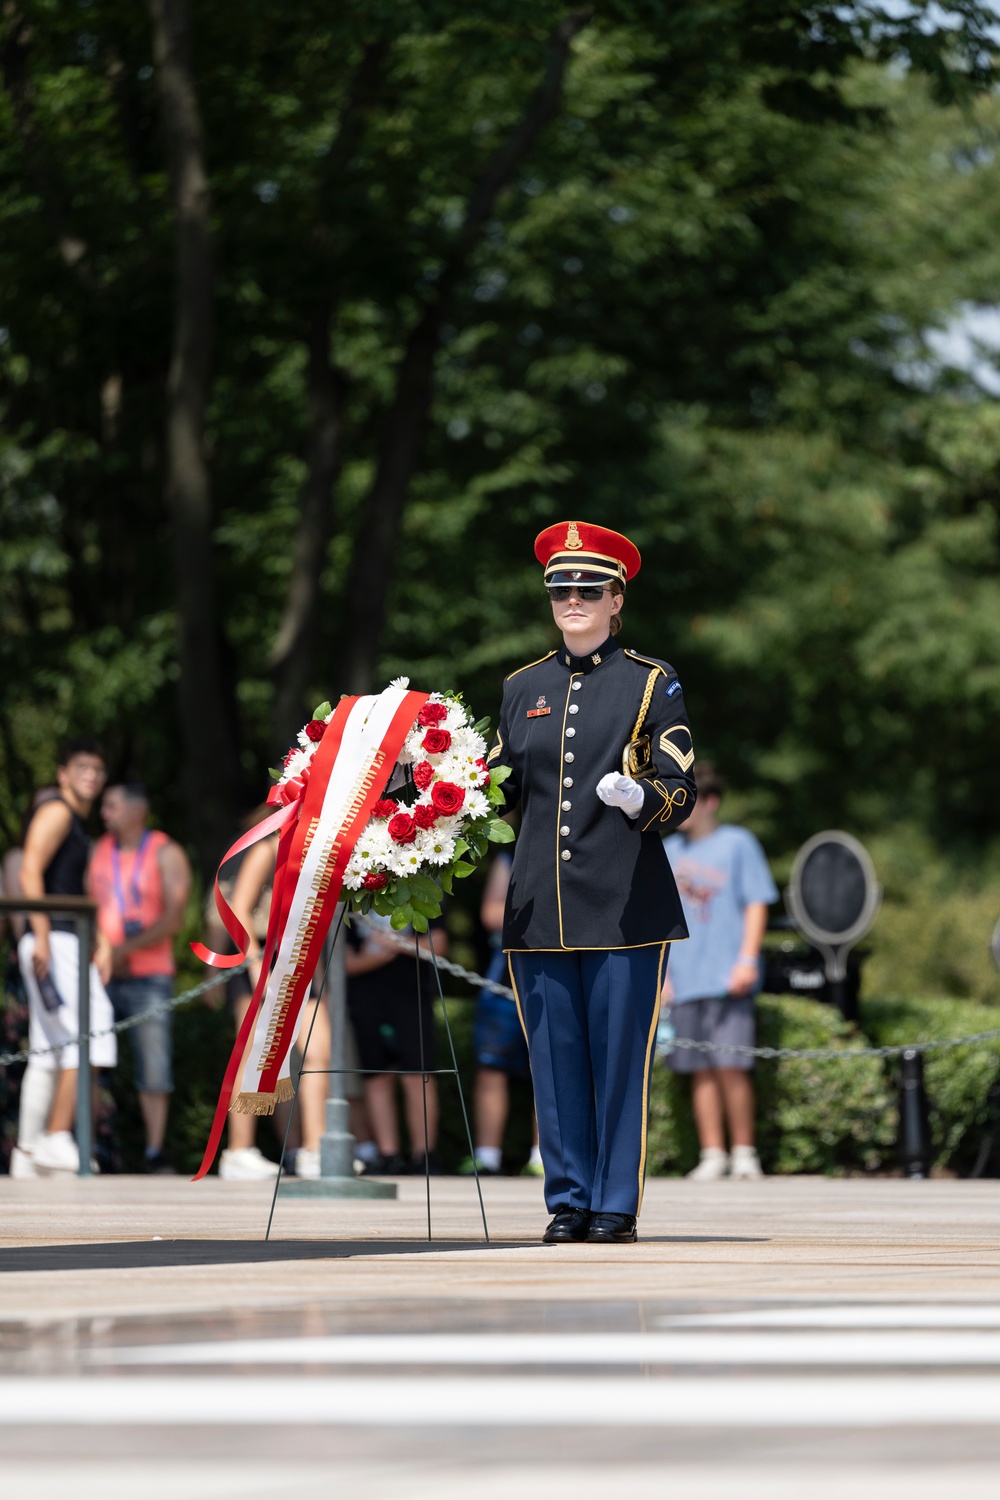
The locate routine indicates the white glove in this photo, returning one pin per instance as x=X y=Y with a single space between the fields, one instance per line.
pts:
x=621 y=791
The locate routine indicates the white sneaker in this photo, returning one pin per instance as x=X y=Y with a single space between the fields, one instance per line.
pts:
x=745 y=1163
x=307 y=1162
x=246 y=1165
x=713 y=1165
x=56 y=1152
x=22 y=1163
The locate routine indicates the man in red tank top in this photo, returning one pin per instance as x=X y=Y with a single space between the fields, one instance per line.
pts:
x=141 y=881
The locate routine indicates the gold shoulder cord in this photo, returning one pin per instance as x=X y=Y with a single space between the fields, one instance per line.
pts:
x=637 y=757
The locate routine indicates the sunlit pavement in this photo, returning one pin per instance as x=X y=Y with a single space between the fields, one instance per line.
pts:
x=772 y=1338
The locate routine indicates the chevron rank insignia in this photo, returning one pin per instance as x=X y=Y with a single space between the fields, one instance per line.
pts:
x=677 y=743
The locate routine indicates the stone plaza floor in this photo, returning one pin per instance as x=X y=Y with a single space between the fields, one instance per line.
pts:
x=762 y=1339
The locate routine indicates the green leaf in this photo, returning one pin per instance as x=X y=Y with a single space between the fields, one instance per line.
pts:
x=401 y=917
x=322 y=711
x=425 y=887
x=426 y=908
x=500 y=832
x=461 y=869
x=274 y=773
x=498 y=775
x=447 y=883
x=460 y=847
x=482 y=726
x=401 y=888
x=420 y=923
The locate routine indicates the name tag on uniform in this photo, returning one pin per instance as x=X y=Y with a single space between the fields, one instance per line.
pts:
x=536 y=713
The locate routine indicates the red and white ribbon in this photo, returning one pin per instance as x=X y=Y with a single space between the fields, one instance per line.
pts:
x=331 y=807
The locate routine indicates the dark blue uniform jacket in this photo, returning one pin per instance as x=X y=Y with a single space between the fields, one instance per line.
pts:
x=586 y=875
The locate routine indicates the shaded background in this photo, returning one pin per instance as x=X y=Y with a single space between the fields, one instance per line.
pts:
x=311 y=318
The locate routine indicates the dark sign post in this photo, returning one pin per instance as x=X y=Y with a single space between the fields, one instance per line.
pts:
x=833 y=897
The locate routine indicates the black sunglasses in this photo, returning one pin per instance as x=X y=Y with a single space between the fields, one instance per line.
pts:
x=560 y=592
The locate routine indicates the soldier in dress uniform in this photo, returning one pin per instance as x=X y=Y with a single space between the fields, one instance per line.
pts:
x=602 y=765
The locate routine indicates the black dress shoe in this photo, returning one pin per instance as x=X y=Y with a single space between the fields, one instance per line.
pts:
x=570 y=1225
x=612 y=1229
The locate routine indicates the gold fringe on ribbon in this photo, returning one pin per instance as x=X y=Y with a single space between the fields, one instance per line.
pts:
x=263 y=1104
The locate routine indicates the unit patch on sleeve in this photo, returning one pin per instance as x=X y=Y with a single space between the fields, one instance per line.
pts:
x=673 y=687
x=677 y=743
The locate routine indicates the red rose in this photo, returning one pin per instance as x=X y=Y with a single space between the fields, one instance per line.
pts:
x=315 y=729
x=385 y=808
x=375 y=880
x=424 y=816
x=447 y=798
x=423 y=774
x=436 y=741
x=431 y=713
x=402 y=829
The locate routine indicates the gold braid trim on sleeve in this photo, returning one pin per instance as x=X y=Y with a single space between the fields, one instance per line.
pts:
x=671 y=800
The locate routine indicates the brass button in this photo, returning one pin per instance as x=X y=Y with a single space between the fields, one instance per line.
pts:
x=566 y=806
x=564 y=831
x=569 y=756
x=570 y=732
x=567 y=780
x=566 y=854
x=574 y=708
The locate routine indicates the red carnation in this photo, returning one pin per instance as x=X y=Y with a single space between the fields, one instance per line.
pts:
x=423 y=774
x=431 y=713
x=385 y=808
x=447 y=798
x=424 y=816
x=375 y=880
x=315 y=729
x=485 y=778
x=402 y=829
x=437 y=741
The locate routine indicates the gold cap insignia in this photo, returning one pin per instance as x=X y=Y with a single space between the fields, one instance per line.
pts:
x=573 y=542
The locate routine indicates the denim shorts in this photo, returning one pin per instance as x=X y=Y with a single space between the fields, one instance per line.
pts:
x=151 y=1041
x=499 y=1039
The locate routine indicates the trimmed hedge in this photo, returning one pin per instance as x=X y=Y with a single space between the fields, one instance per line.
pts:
x=812 y=1116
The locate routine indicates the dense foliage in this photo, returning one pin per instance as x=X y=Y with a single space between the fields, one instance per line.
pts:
x=470 y=271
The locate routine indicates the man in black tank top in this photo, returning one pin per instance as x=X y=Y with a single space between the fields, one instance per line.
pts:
x=56 y=853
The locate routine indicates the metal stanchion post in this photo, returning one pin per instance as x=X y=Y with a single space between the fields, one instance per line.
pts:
x=84 y=932
x=914 y=1116
x=336 y=1147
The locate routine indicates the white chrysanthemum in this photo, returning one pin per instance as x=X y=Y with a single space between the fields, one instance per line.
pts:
x=435 y=846
x=457 y=718
x=404 y=859
x=476 y=804
x=375 y=839
x=303 y=739
x=449 y=767
x=449 y=827
x=297 y=762
x=353 y=878
x=400 y=682
x=412 y=745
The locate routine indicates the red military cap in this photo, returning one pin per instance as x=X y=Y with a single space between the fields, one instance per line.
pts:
x=576 y=552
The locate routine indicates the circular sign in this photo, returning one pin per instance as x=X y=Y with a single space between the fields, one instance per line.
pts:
x=833 y=895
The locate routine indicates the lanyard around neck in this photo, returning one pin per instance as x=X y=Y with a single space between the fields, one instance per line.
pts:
x=116 y=874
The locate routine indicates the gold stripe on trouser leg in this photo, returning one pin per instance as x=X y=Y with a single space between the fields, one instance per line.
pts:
x=645 y=1077
x=517 y=1002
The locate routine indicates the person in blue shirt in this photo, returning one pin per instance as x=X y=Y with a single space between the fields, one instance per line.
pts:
x=725 y=888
